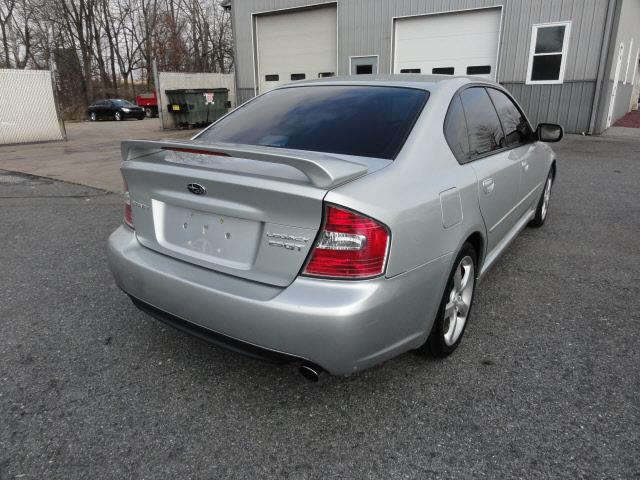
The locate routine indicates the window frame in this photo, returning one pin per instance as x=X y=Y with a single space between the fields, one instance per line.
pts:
x=563 y=53
x=473 y=158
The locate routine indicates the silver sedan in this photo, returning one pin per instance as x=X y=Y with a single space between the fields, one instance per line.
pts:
x=333 y=223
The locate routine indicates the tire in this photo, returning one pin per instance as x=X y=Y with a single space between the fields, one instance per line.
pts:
x=93 y=117
x=148 y=112
x=542 y=210
x=117 y=116
x=141 y=118
x=450 y=322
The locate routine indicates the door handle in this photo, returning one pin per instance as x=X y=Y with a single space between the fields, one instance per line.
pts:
x=488 y=185
x=525 y=165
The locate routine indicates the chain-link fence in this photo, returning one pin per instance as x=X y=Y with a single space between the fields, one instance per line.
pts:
x=28 y=111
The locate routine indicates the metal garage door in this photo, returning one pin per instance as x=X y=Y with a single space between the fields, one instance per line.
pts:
x=295 y=45
x=458 y=43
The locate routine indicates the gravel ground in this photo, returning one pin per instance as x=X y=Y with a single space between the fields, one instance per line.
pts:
x=545 y=385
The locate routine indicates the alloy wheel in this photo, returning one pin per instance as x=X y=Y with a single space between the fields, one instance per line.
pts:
x=457 y=308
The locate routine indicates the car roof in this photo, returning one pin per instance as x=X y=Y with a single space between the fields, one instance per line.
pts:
x=426 y=82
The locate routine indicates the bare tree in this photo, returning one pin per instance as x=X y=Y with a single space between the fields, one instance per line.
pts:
x=106 y=47
x=6 y=22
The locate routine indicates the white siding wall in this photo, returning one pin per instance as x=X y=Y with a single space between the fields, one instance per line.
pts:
x=27 y=107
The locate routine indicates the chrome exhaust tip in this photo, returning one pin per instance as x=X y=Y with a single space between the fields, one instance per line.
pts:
x=310 y=373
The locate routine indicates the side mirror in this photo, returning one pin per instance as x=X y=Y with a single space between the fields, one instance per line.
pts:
x=549 y=132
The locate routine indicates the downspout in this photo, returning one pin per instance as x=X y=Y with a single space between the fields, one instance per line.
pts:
x=606 y=58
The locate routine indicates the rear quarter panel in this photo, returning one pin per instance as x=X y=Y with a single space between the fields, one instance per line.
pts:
x=406 y=195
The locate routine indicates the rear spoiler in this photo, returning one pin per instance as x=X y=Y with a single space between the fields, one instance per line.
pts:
x=324 y=171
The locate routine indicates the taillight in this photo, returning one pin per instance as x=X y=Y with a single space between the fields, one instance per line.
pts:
x=128 y=214
x=349 y=245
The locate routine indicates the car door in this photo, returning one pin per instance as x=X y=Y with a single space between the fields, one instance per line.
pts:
x=109 y=109
x=524 y=149
x=498 y=172
x=100 y=108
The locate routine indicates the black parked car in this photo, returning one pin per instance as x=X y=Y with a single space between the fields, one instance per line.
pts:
x=115 y=108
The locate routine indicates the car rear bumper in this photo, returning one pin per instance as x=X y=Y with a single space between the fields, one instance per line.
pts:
x=340 y=326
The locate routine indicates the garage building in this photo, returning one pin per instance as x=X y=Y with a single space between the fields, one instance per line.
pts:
x=573 y=62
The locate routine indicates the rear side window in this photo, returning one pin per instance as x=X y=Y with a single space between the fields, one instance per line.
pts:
x=485 y=131
x=455 y=131
x=352 y=120
x=516 y=127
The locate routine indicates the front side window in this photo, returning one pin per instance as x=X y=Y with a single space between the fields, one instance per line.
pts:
x=548 y=52
x=352 y=120
x=516 y=127
x=485 y=131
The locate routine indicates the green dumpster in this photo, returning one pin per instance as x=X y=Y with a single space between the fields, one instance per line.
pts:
x=197 y=107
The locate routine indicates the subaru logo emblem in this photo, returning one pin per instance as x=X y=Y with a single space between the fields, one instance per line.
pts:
x=196 y=189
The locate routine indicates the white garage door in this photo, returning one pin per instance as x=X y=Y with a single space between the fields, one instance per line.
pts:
x=459 y=43
x=296 y=46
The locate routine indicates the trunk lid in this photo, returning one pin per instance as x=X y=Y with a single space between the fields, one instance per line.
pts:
x=250 y=212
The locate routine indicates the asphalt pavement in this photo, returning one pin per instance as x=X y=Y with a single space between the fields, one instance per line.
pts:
x=545 y=385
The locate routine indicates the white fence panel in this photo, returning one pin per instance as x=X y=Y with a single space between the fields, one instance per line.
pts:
x=176 y=80
x=27 y=107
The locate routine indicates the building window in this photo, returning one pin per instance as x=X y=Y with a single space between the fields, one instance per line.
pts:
x=326 y=74
x=479 y=70
x=298 y=76
x=364 y=69
x=442 y=71
x=271 y=78
x=410 y=70
x=548 y=53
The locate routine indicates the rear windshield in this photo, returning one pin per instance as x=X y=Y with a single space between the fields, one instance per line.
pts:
x=351 y=120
